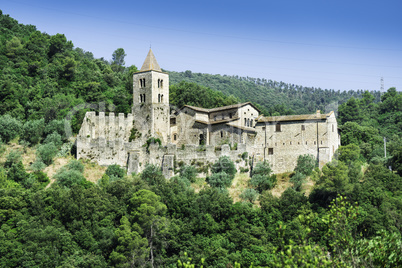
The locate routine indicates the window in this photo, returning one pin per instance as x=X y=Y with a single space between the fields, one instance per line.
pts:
x=172 y=121
x=174 y=136
x=314 y=142
x=278 y=127
x=161 y=83
x=263 y=128
x=143 y=97
x=251 y=123
x=142 y=82
x=245 y=121
x=321 y=142
x=221 y=134
x=332 y=128
x=159 y=96
x=290 y=143
x=248 y=122
x=230 y=115
x=223 y=116
x=303 y=127
x=270 y=151
x=214 y=117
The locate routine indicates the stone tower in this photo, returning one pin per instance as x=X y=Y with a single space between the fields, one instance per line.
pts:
x=151 y=100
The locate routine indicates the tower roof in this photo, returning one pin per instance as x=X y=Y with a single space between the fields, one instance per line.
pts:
x=150 y=63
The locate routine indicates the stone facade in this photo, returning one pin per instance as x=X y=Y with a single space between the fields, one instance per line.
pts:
x=198 y=136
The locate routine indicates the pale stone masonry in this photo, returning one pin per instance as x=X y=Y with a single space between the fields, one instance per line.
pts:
x=199 y=136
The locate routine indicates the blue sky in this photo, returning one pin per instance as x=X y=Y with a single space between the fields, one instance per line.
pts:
x=329 y=44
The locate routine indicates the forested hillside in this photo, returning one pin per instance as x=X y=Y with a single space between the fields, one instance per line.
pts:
x=275 y=98
x=58 y=217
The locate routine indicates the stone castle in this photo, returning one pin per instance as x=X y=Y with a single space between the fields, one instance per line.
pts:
x=198 y=136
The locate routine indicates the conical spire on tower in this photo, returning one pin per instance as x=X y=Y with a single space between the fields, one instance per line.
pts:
x=150 y=63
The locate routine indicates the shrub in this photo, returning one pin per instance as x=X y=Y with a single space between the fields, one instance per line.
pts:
x=262 y=168
x=32 y=131
x=57 y=126
x=9 y=128
x=38 y=165
x=188 y=172
x=150 y=141
x=224 y=164
x=69 y=178
x=47 y=152
x=12 y=158
x=249 y=195
x=152 y=175
x=55 y=138
x=75 y=165
x=263 y=182
x=220 y=180
x=17 y=172
x=115 y=171
x=298 y=179
x=305 y=164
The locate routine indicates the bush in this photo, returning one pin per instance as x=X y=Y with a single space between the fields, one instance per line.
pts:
x=305 y=164
x=9 y=128
x=224 y=164
x=220 y=180
x=75 y=165
x=152 y=175
x=47 y=152
x=262 y=168
x=188 y=172
x=32 y=131
x=263 y=182
x=17 y=172
x=115 y=171
x=298 y=179
x=249 y=195
x=56 y=126
x=12 y=158
x=261 y=177
x=38 y=165
x=55 y=138
x=69 y=178
x=184 y=182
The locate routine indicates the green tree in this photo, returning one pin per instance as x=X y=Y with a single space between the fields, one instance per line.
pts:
x=305 y=164
x=46 y=152
x=9 y=128
x=149 y=212
x=131 y=250
x=115 y=172
x=224 y=164
x=118 y=57
x=249 y=195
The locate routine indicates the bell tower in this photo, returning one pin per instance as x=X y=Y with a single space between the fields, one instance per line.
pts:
x=151 y=100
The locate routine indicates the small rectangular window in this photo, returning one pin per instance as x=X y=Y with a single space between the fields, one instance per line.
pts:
x=278 y=127
x=303 y=127
x=270 y=151
x=174 y=137
x=333 y=128
x=263 y=128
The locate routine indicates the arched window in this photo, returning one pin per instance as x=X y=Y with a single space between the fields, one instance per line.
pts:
x=245 y=121
x=143 y=98
x=251 y=123
x=161 y=83
x=140 y=97
x=162 y=98
x=143 y=81
x=221 y=134
x=159 y=95
x=140 y=82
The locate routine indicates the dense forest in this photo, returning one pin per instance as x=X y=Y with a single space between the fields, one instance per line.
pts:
x=352 y=217
x=272 y=97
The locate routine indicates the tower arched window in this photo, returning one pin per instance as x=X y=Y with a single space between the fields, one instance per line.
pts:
x=144 y=97
x=161 y=83
x=161 y=97
x=140 y=82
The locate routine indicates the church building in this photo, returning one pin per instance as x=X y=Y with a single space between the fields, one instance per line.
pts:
x=194 y=134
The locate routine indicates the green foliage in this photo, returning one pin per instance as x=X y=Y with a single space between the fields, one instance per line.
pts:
x=150 y=141
x=46 y=152
x=55 y=138
x=75 y=165
x=224 y=164
x=185 y=93
x=188 y=172
x=134 y=134
x=12 y=158
x=305 y=164
x=261 y=177
x=219 y=180
x=298 y=179
x=249 y=195
x=32 y=131
x=115 y=172
x=152 y=175
x=69 y=177
x=9 y=128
